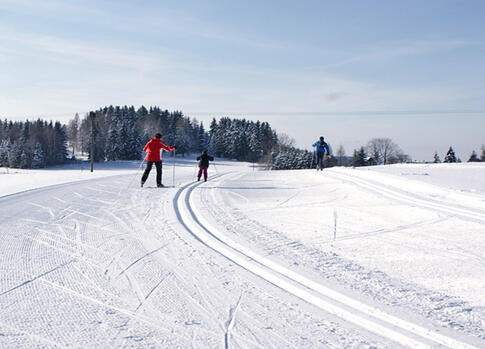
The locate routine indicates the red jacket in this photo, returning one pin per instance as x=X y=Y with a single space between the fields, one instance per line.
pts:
x=153 y=147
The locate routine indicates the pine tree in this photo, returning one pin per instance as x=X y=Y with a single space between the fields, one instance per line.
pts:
x=123 y=141
x=482 y=155
x=60 y=143
x=436 y=158
x=73 y=133
x=25 y=161
x=38 y=156
x=4 y=151
x=255 y=145
x=14 y=156
x=203 y=138
x=450 y=156
x=112 y=145
x=24 y=138
x=142 y=112
x=473 y=157
x=211 y=143
x=183 y=142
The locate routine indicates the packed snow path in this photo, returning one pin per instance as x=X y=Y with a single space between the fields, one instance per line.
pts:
x=103 y=263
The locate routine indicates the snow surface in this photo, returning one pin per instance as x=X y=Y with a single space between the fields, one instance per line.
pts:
x=385 y=256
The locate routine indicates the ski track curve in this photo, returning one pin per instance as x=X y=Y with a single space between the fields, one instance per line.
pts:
x=409 y=198
x=399 y=296
x=370 y=318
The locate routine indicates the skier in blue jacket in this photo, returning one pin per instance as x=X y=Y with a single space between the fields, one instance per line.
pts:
x=321 y=148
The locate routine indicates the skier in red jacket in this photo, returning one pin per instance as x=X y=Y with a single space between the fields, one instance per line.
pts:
x=153 y=157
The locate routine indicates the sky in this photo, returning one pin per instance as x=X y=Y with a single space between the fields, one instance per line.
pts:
x=350 y=71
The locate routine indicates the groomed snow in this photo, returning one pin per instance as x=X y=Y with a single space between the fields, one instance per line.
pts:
x=384 y=256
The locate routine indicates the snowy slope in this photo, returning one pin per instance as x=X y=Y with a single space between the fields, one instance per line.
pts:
x=251 y=259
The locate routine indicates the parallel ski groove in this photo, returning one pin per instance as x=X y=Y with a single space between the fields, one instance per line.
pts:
x=381 y=323
x=393 y=193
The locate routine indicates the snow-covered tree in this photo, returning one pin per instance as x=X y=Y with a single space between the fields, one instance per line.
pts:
x=450 y=156
x=255 y=145
x=25 y=160
x=73 y=133
x=473 y=157
x=112 y=150
x=14 y=156
x=203 y=138
x=4 y=151
x=436 y=158
x=38 y=156
x=60 y=143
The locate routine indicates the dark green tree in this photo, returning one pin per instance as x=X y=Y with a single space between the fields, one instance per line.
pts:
x=473 y=157
x=450 y=156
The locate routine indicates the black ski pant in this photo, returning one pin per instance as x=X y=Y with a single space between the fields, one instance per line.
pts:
x=320 y=159
x=158 y=165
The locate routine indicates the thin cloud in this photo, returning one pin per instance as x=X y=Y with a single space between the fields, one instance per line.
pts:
x=53 y=46
x=404 y=48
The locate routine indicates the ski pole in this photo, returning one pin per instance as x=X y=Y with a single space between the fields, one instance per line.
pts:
x=132 y=178
x=173 y=172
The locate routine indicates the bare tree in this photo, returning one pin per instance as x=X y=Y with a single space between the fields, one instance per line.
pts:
x=340 y=154
x=285 y=141
x=73 y=133
x=386 y=151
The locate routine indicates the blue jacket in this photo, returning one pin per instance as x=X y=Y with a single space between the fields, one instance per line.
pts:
x=322 y=147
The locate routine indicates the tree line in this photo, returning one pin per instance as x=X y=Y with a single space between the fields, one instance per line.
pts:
x=377 y=151
x=121 y=132
x=32 y=144
x=450 y=156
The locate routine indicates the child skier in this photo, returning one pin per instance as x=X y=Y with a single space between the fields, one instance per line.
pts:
x=204 y=164
x=153 y=157
x=321 y=147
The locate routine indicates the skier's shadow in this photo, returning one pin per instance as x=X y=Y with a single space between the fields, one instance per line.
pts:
x=243 y=188
x=157 y=188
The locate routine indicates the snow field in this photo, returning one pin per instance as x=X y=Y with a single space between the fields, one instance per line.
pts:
x=103 y=263
x=296 y=225
x=298 y=284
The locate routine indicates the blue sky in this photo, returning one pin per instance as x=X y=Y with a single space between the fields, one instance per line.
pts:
x=349 y=70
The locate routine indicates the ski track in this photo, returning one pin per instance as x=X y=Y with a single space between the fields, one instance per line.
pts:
x=409 y=198
x=446 y=310
x=452 y=210
x=91 y=244
x=372 y=319
x=444 y=340
x=230 y=323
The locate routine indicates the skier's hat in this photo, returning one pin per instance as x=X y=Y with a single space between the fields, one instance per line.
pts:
x=321 y=137
x=158 y=135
